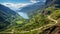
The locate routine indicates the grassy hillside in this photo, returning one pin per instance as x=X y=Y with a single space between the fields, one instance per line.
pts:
x=9 y=20
x=40 y=22
x=39 y=19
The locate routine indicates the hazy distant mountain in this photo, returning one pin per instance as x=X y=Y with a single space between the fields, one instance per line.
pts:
x=30 y=8
x=48 y=1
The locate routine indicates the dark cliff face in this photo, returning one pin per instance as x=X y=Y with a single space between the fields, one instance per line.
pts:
x=57 y=2
x=49 y=1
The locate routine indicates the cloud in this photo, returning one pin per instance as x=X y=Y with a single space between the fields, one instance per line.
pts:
x=15 y=6
x=34 y=1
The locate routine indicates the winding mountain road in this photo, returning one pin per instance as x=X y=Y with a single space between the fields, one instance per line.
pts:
x=41 y=28
x=52 y=19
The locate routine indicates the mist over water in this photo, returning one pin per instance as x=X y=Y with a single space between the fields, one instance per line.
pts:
x=24 y=15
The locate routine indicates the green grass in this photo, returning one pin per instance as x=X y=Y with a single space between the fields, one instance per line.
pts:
x=19 y=22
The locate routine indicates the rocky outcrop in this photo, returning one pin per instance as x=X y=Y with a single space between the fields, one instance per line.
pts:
x=46 y=12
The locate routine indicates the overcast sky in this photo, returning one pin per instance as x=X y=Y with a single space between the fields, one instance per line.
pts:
x=14 y=1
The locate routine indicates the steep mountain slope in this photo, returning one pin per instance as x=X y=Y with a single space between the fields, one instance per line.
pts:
x=8 y=17
x=7 y=10
x=38 y=19
x=56 y=16
x=40 y=23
